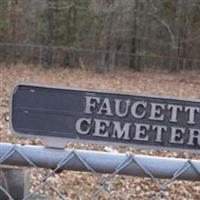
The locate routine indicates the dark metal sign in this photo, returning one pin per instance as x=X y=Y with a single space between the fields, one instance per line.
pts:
x=81 y=115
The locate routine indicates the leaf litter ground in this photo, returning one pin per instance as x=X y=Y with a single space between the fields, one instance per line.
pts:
x=78 y=185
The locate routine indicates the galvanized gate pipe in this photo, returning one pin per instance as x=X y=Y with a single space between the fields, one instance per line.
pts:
x=101 y=162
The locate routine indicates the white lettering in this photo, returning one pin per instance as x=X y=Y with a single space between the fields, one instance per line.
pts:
x=159 y=132
x=121 y=109
x=135 y=107
x=192 y=111
x=140 y=132
x=194 y=137
x=156 y=111
x=119 y=132
x=105 y=108
x=101 y=128
x=83 y=125
x=177 y=135
x=174 y=111
x=91 y=103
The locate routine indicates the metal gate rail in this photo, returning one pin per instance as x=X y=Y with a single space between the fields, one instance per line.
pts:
x=99 y=162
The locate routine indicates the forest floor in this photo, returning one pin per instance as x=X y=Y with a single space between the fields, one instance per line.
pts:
x=77 y=185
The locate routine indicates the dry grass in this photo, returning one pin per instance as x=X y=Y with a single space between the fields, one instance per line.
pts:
x=185 y=84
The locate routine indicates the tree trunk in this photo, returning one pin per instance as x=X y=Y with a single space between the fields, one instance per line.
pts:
x=134 y=62
x=49 y=53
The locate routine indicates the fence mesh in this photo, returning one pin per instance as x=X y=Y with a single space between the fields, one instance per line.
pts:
x=62 y=184
x=95 y=33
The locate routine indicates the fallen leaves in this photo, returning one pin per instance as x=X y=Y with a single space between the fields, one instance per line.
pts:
x=77 y=185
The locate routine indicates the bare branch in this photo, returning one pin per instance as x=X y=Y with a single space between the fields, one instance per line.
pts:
x=166 y=26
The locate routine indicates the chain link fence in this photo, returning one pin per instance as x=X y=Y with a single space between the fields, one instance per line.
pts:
x=104 y=170
x=27 y=37
x=96 y=34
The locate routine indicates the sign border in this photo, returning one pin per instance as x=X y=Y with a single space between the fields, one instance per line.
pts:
x=58 y=142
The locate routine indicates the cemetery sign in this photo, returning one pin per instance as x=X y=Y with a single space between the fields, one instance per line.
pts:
x=103 y=117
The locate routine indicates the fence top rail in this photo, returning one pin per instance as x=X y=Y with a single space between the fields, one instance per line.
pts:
x=99 y=162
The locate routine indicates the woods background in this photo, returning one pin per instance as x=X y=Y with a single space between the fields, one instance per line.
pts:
x=52 y=42
x=101 y=34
